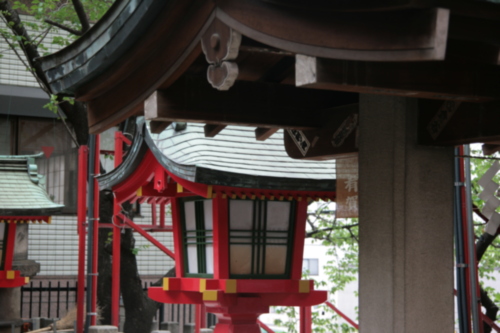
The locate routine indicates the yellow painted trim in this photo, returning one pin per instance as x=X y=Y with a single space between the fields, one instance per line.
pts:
x=309 y=199
x=166 y=284
x=233 y=196
x=26 y=279
x=11 y=275
x=253 y=197
x=210 y=295
x=139 y=192
x=281 y=198
x=262 y=197
x=224 y=196
x=209 y=191
x=231 y=286
x=299 y=199
x=179 y=188
x=49 y=220
x=244 y=196
x=304 y=286
x=203 y=285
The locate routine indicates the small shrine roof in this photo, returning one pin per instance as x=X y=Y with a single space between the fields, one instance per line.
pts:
x=236 y=150
x=232 y=158
x=21 y=189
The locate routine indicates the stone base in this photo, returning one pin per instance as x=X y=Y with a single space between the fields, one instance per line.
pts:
x=27 y=267
x=103 y=329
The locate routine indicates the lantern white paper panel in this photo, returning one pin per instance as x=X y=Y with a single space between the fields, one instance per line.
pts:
x=241 y=219
x=278 y=215
x=275 y=259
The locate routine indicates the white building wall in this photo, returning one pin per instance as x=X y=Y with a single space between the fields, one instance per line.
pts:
x=55 y=247
x=12 y=70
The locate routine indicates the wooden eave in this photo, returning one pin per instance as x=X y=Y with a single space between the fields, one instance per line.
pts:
x=444 y=50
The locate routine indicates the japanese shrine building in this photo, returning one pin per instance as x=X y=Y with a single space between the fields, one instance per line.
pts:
x=398 y=83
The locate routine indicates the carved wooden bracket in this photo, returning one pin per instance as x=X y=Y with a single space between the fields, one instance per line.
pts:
x=221 y=44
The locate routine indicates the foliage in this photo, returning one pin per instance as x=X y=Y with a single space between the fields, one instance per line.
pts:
x=340 y=239
x=489 y=262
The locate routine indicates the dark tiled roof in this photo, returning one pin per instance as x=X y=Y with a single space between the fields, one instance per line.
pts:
x=232 y=158
x=21 y=191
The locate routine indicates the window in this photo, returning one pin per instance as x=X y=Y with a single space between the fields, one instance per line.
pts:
x=260 y=238
x=198 y=237
x=310 y=266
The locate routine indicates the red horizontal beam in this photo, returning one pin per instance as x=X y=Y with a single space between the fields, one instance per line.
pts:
x=146 y=227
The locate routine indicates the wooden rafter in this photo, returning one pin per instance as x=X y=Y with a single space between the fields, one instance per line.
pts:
x=246 y=103
x=439 y=80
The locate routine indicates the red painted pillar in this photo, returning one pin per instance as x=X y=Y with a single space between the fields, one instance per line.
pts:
x=201 y=318
x=97 y=171
x=83 y=152
x=298 y=240
x=10 y=245
x=305 y=319
x=115 y=269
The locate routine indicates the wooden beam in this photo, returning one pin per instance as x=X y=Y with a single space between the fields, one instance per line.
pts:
x=213 y=130
x=336 y=139
x=262 y=134
x=254 y=104
x=158 y=126
x=405 y=35
x=439 y=80
x=468 y=123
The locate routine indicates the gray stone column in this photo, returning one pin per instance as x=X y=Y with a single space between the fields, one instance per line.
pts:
x=406 y=222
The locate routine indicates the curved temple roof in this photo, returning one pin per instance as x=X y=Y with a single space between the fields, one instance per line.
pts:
x=232 y=158
x=21 y=191
x=141 y=46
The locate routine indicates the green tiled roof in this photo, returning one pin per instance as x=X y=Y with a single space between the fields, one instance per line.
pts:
x=21 y=192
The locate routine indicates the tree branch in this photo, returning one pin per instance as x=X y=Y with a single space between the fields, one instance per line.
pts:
x=63 y=27
x=317 y=231
x=82 y=15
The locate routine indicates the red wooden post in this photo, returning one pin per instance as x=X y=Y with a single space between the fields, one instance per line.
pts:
x=201 y=318
x=10 y=245
x=298 y=241
x=115 y=268
x=221 y=237
x=97 y=171
x=162 y=215
x=305 y=319
x=83 y=152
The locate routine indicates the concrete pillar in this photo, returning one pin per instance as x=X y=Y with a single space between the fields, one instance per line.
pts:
x=406 y=222
x=9 y=308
